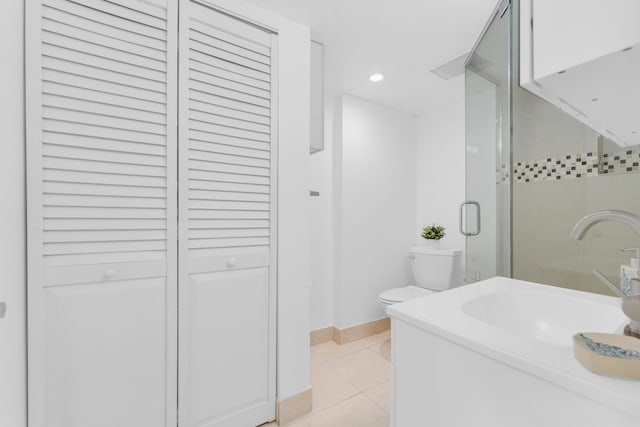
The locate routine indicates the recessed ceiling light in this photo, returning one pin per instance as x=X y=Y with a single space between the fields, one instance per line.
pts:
x=376 y=77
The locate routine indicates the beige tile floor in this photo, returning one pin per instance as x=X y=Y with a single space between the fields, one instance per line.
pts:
x=350 y=384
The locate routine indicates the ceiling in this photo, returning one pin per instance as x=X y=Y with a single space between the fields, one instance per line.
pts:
x=402 y=39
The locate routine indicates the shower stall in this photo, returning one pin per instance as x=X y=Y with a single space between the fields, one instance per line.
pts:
x=532 y=171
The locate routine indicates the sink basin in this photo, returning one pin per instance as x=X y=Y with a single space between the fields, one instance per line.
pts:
x=551 y=318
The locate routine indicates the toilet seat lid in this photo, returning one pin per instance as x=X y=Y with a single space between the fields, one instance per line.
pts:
x=404 y=294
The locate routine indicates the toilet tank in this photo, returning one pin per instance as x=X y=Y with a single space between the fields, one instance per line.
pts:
x=436 y=269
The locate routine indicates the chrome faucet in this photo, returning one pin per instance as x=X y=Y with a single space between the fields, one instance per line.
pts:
x=631 y=304
x=582 y=226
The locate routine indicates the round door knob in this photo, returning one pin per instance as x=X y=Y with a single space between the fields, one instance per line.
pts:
x=231 y=262
x=110 y=273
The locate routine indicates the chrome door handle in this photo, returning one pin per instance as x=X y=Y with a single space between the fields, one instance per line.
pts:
x=462 y=230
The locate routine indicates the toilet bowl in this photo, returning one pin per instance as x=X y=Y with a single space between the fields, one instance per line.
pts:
x=433 y=270
x=405 y=293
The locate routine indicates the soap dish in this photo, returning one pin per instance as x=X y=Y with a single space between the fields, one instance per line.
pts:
x=608 y=354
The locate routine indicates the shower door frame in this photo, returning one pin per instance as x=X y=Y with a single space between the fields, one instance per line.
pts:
x=503 y=208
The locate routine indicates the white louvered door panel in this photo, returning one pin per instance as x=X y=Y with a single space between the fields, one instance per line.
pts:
x=102 y=203
x=227 y=220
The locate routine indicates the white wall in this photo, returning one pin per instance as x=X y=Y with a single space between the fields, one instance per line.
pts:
x=294 y=274
x=323 y=178
x=294 y=277
x=12 y=218
x=375 y=204
x=321 y=215
x=441 y=169
x=432 y=159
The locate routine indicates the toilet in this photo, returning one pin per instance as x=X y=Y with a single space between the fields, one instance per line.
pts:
x=434 y=270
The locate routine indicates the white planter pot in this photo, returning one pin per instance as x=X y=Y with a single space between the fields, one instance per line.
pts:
x=432 y=243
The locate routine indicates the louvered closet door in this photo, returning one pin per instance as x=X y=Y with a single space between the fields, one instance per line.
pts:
x=102 y=296
x=227 y=221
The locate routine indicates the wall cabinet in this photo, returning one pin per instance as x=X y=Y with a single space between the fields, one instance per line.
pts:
x=317 y=98
x=584 y=57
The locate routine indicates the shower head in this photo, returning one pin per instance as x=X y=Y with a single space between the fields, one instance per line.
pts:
x=457 y=65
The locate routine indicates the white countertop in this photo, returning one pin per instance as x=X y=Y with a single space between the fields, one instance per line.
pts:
x=442 y=314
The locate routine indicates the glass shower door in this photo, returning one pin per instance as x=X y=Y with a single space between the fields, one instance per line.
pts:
x=485 y=215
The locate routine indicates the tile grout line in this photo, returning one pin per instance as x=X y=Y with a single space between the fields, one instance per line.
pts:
x=373 y=348
x=312 y=414
x=345 y=379
x=354 y=350
x=355 y=385
x=376 y=403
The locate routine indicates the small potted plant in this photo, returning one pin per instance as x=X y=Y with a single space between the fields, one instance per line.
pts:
x=432 y=235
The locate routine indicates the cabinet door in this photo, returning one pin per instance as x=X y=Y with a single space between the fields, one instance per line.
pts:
x=102 y=252
x=227 y=221
x=592 y=75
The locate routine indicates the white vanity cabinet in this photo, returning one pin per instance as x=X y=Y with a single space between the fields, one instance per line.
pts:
x=499 y=353
x=584 y=57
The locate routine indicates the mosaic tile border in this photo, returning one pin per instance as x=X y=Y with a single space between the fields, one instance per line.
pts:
x=554 y=168
x=622 y=161
x=574 y=166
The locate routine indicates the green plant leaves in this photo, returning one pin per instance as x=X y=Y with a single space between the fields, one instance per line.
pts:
x=433 y=232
